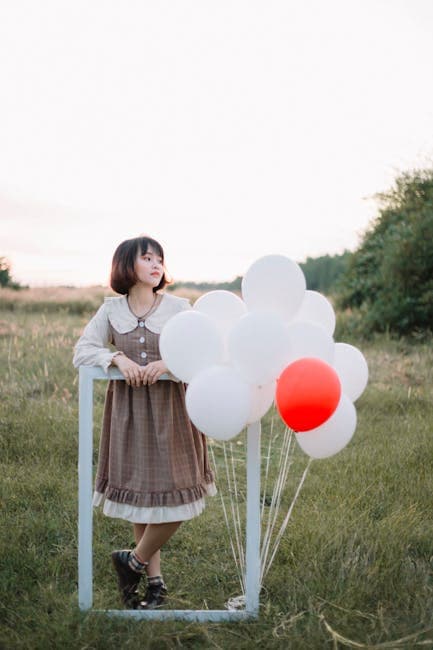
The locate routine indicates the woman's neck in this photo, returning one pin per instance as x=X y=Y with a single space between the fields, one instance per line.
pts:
x=141 y=299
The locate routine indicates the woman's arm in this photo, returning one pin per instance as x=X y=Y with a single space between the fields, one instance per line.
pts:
x=91 y=348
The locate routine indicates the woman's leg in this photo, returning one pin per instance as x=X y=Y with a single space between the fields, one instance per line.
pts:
x=155 y=536
x=148 y=550
x=154 y=566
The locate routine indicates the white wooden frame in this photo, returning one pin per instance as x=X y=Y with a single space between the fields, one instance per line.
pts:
x=85 y=518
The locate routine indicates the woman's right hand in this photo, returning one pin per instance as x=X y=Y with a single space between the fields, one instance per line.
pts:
x=129 y=369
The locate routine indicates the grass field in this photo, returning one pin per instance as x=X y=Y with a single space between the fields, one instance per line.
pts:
x=355 y=566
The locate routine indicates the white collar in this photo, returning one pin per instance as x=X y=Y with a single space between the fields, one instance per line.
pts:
x=124 y=321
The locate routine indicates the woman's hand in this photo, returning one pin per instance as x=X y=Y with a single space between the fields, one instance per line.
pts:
x=152 y=372
x=129 y=369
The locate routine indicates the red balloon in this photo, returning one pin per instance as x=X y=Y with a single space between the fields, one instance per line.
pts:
x=308 y=392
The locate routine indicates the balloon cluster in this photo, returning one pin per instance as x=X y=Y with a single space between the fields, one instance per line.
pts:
x=239 y=355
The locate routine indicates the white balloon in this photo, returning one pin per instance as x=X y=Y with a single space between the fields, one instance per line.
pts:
x=310 y=340
x=259 y=347
x=262 y=400
x=333 y=435
x=316 y=309
x=352 y=369
x=218 y=402
x=274 y=283
x=224 y=307
x=190 y=342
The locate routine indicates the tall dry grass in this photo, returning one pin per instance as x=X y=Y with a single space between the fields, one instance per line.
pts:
x=71 y=300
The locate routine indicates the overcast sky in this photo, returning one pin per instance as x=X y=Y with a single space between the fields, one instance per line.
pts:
x=227 y=129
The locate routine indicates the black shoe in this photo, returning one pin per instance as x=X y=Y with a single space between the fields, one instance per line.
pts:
x=127 y=579
x=154 y=597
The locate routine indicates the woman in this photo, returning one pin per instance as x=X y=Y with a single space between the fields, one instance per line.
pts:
x=153 y=467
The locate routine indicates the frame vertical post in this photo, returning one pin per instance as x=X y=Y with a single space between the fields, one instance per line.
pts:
x=85 y=523
x=252 y=578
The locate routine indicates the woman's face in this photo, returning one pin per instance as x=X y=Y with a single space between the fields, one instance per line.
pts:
x=149 y=268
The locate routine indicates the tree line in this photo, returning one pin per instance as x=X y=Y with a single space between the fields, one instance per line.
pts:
x=321 y=274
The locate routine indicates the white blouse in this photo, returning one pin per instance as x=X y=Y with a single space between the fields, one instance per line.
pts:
x=91 y=348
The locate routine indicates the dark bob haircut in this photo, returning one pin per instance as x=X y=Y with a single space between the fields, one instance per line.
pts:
x=123 y=275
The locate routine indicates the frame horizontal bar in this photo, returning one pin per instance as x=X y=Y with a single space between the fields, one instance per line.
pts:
x=199 y=615
x=96 y=372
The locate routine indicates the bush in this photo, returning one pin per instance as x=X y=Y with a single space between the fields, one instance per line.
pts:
x=5 y=275
x=390 y=276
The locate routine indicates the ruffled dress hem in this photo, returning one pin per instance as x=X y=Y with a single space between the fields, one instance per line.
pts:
x=170 y=498
x=152 y=514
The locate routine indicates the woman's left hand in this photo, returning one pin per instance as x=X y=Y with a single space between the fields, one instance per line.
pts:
x=152 y=372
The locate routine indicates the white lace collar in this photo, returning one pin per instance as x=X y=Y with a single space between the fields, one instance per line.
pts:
x=124 y=321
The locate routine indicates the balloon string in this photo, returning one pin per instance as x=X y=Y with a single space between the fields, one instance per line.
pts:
x=262 y=515
x=231 y=489
x=237 y=512
x=265 y=539
x=286 y=520
x=283 y=468
x=233 y=523
x=273 y=509
x=269 y=514
x=226 y=519
x=265 y=484
x=233 y=504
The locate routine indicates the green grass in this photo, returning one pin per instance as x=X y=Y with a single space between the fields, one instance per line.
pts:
x=354 y=565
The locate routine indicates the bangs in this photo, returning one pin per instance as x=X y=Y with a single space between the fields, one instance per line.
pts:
x=144 y=243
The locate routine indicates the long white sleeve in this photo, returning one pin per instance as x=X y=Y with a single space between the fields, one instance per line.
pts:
x=91 y=348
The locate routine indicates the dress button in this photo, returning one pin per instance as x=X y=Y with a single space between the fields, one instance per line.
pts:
x=141 y=339
x=143 y=355
x=141 y=323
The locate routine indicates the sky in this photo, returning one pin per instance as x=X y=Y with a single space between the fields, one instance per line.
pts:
x=225 y=129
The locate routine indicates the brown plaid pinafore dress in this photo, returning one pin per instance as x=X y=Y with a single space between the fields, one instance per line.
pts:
x=151 y=455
